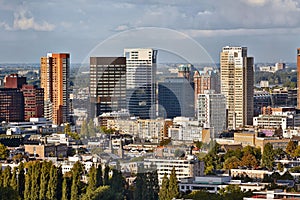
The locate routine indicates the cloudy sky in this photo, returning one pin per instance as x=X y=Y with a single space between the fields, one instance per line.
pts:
x=29 y=29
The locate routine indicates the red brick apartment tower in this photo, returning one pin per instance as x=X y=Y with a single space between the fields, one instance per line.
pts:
x=33 y=101
x=55 y=82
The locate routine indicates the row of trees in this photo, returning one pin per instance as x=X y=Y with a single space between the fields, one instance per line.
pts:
x=249 y=157
x=43 y=180
x=169 y=188
x=36 y=180
x=287 y=78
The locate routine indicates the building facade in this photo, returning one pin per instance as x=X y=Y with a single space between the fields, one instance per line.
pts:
x=298 y=77
x=55 y=72
x=187 y=167
x=33 y=102
x=212 y=111
x=107 y=84
x=11 y=105
x=14 y=81
x=175 y=98
x=237 y=78
x=141 y=82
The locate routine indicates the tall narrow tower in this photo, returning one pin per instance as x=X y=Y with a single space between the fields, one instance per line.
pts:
x=298 y=78
x=237 y=85
x=55 y=70
x=141 y=82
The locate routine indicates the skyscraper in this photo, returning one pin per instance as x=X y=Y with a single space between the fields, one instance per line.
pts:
x=141 y=81
x=211 y=109
x=107 y=84
x=237 y=85
x=55 y=69
x=298 y=78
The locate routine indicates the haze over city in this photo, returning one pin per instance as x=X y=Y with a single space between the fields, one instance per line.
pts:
x=29 y=29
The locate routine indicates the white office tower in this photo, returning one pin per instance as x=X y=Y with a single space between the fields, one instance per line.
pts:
x=141 y=82
x=237 y=85
x=212 y=111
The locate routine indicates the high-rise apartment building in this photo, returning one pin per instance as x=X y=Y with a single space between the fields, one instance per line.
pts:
x=298 y=78
x=33 y=101
x=141 y=82
x=237 y=85
x=55 y=71
x=107 y=84
x=11 y=105
x=206 y=80
x=211 y=113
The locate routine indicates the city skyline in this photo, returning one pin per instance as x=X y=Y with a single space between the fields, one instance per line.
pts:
x=31 y=29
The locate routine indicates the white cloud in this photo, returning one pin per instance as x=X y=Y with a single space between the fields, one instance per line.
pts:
x=256 y=2
x=122 y=28
x=205 y=12
x=24 y=21
x=240 y=32
x=5 y=26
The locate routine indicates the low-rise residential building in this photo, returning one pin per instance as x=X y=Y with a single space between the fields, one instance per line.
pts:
x=185 y=129
x=251 y=138
x=46 y=150
x=212 y=184
x=187 y=167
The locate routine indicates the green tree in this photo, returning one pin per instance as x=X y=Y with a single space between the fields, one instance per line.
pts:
x=234 y=153
x=45 y=171
x=1 y=176
x=154 y=189
x=280 y=167
x=76 y=171
x=232 y=192
x=232 y=163
x=14 y=181
x=103 y=193
x=21 y=179
x=141 y=186
x=84 y=129
x=249 y=161
x=99 y=178
x=199 y=144
x=28 y=182
x=8 y=193
x=201 y=195
x=65 y=190
x=59 y=182
x=290 y=148
x=164 y=190
x=91 y=180
x=91 y=129
x=67 y=130
x=173 y=190
x=35 y=180
x=52 y=185
x=6 y=176
x=297 y=152
x=117 y=182
x=106 y=175
x=268 y=156
x=3 y=152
